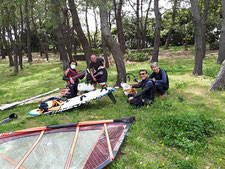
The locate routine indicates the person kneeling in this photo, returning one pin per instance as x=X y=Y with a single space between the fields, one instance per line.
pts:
x=98 y=73
x=72 y=83
x=146 y=96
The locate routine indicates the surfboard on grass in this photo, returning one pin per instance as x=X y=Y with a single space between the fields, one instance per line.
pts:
x=75 y=102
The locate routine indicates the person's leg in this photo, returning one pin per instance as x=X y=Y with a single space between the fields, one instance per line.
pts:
x=160 y=88
x=73 y=90
x=102 y=79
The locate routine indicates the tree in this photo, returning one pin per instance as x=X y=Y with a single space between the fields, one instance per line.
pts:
x=221 y=56
x=29 y=55
x=144 y=28
x=77 y=27
x=59 y=23
x=112 y=44
x=219 y=82
x=172 y=24
x=118 y=16
x=87 y=25
x=157 y=31
x=200 y=31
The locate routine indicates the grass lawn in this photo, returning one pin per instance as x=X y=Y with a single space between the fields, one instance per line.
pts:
x=188 y=100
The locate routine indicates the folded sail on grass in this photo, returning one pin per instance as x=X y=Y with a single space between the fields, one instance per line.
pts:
x=85 y=145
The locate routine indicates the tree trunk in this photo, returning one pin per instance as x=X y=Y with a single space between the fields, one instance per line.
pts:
x=119 y=24
x=172 y=25
x=219 y=82
x=15 y=50
x=2 y=44
x=105 y=52
x=138 y=33
x=8 y=49
x=80 y=33
x=87 y=25
x=13 y=43
x=221 y=56
x=21 y=38
x=28 y=31
x=145 y=26
x=74 y=42
x=157 y=31
x=200 y=30
x=113 y=45
x=96 y=30
x=67 y=33
x=59 y=33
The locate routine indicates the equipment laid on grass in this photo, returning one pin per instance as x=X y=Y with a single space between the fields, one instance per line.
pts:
x=86 y=145
x=10 y=118
x=127 y=89
x=57 y=106
x=25 y=100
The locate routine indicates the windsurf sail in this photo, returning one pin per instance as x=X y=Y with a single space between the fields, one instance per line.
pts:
x=6 y=106
x=83 y=145
x=76 y=101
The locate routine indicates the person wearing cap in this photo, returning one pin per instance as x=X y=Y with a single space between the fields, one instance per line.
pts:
x=146 y=96
x=98 y=73
x=160 y=78
x=71 y=83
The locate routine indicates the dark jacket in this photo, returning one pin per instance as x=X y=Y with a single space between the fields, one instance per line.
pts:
x=160 y=77
x=70 y=73
x=97 y=64
x=148 y=89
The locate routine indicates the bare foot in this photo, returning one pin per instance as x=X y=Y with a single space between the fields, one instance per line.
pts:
x=163 y=95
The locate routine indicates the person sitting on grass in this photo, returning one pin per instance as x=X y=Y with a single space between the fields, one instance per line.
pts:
x=98 y=73
x=161 y=79
x=146 y=96
x=71 y=83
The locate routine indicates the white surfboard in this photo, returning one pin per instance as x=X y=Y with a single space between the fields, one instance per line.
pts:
x=76 y=101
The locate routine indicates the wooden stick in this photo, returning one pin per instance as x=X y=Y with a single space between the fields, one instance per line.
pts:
x=108 y=141
x=30 y=150
x=69 y=159
x=9 y=160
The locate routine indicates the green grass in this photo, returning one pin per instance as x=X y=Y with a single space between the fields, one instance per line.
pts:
x=142 y=148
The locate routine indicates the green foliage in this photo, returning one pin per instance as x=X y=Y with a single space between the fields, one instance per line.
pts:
x=137 y=56
x=184 y=164
x=97 y=51
x=185 y=131
x=212 y=71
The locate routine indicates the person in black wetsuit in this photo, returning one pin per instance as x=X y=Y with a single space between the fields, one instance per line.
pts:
x=72 y=84
x=98 y=73
x=161 y=79
x=146 y=96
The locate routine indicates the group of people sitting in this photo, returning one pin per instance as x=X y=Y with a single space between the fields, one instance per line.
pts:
x=156 y=82
x=98 y=74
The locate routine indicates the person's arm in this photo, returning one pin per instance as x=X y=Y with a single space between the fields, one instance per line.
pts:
x=163 y=80
x=149 y=85
x=92 y=74
x=151 y=76
x=136 y=85
x=66 y=78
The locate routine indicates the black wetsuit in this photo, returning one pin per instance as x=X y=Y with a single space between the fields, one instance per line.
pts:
x=100 y=73
x=146 y=96
x=73 y=87
x=161 y=81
